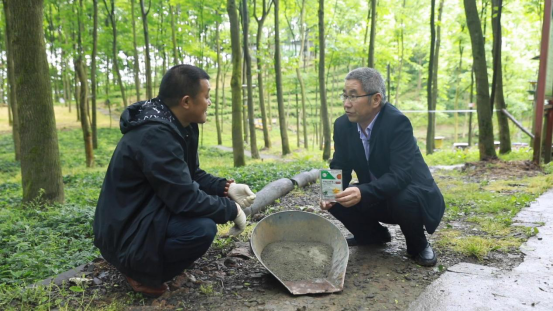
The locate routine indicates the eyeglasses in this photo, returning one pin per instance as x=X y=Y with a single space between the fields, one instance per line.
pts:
x=353 y=98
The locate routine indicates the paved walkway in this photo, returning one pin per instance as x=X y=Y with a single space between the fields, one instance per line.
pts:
x=529 y=286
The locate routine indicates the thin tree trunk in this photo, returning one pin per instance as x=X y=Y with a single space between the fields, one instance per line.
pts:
x=322 y=88
x=12 y=94
x=457 y=86
x=93 y=74
x=485 y=126
x=237 y=142
x=145 y=13
x=436 y=68
x=280 y=99
x=248 y=64
x=373 y=34
x=111 y=15
x=401 y=49
x=87 y=132
x=40 y=161
x=260 y=86
x=300 y=77
x=430 y=125
x=136 y=66
x=217 y=80
x=497 y=86
x=174 y=37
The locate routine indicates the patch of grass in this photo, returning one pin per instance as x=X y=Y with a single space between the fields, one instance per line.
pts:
x=475 y=246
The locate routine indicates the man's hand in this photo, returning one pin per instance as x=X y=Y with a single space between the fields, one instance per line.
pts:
x=325 y=205
x=349 y=197
x=239 y=222
x=241 y=194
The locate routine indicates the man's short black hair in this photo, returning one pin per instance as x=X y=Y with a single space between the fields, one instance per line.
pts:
x=179 y=81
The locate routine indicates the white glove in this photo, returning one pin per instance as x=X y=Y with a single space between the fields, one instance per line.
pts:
x=239 y=222
x=241 y=194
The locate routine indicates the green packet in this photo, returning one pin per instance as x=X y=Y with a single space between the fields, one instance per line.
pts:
x=331 y=183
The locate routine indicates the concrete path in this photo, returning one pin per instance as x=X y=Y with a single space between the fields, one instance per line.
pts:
x=527 y=287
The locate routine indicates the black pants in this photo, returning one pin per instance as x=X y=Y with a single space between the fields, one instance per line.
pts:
x=187 y=240
x=402 y=209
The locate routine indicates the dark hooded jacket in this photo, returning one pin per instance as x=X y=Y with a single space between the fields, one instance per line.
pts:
x=153 y=174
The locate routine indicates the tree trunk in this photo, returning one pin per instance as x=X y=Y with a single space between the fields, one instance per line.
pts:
x=248 y=64
x=111 y=15
x=136 y=66
x=401 y=50
x=300 y=77
x=260 y=87
x=497 y=86
x=237 y=142
x=373 y=34
x=436 y=68
x=217 y=83
x=93 y=75
x=12 y=97
x=322 y=88
x=430 y=125
x=457 y=91
x=40 y=162
x=280 y=99
x=485 y=126
x=87 y=133
x=174 y=37
x=145 y=12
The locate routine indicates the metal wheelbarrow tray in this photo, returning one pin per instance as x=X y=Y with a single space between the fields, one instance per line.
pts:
x=296 y=226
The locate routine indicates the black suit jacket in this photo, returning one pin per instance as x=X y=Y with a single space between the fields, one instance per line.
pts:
x=395 y=160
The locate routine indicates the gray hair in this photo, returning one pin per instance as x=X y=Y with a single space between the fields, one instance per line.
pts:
x=370 y=79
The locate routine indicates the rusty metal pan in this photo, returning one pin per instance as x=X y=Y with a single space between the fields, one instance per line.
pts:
x=296 y=226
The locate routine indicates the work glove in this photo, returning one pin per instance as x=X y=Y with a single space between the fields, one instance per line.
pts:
x=239 y=222
x=241 y=194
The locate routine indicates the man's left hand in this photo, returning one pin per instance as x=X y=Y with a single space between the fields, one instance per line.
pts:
x=349 y=197
x=241 y=194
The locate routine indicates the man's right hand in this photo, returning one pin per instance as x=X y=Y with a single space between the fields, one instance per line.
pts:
x=325 y=205
x=239 y=222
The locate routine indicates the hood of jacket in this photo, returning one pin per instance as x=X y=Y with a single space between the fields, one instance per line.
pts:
x=143 y=112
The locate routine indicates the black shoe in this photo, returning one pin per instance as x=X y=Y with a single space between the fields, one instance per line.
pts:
x=381 y=236
x=426 y=257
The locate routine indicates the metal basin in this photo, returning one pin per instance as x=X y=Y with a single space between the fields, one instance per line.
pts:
x=296 y=226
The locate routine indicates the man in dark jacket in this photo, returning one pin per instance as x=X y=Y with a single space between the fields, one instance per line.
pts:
x=157 y=211
x=395 y=186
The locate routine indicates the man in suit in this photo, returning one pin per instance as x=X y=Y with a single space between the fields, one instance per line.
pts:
x=374 y=139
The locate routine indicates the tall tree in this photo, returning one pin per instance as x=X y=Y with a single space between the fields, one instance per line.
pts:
x=93 y=73
x=497 y=82
x=373 y=34
x=300 y=77
x=136 y=63
x=237 y=142
x=278 y=74
x=145 y=12
x=248 y=64
x=174 y=36
x=83 y=90
x=40 y=161
x=483 y=107
x=12 y=96
x=259 y=61
x=322 y=88
x=217 y=83
x=436 y=68
x=111 y=15
x=431 y=119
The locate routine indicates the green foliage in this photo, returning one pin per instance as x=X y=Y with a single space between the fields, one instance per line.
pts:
x=41 y=241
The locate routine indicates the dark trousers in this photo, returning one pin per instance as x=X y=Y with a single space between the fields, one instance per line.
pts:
x=402 y=209
x=187 y=239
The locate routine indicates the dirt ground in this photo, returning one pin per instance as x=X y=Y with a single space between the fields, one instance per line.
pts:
x=377 y=277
